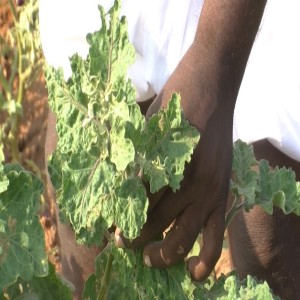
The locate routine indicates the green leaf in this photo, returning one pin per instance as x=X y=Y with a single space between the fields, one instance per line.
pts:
x=278 y=187
x=104 y=143
x=255 y=183
x=121 y=273
x=122 y=149
x=50 y=287
x=93 y=108
x=230 y=287
x=245 y=179
x=22 y=248
x=169 y=141
x=131 y=209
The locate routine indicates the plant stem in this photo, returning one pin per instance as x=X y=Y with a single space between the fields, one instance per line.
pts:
x=14 y=118
x=14 y=148
x=14 y=68
x=20 y=71
x=106 y=279
x=5 y=85
x=108 y=235
x=13 y=10
x=235 y=208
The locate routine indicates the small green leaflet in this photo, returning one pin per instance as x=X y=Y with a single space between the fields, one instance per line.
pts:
x=106 y=148
x=245 y=178
x=263 y=186
x=168 y=143
x=22 y=247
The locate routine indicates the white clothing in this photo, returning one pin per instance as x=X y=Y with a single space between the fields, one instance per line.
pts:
x=160 y=30
x=268 y=104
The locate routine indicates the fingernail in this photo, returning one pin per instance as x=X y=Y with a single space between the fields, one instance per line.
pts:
x=119 y=242
x=147 y=261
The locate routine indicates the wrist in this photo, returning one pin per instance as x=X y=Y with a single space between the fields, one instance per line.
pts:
x=204 y=87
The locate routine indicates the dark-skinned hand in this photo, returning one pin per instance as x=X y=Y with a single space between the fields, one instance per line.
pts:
x=200 y=203
x=208 y=79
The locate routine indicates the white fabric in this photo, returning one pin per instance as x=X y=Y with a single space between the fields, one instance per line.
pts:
x=268 y=105
x=160 y=30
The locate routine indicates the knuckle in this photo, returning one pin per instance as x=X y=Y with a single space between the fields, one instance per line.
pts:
x=182 y=250
x=183 y=247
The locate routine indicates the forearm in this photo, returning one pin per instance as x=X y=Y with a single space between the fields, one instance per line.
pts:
x=225 y=35
x=210 y=74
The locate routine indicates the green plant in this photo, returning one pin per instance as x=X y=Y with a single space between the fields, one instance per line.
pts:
x=255 y=183
x=21 y=60
x=23 y=261
x=24 y=268
x=106 y=150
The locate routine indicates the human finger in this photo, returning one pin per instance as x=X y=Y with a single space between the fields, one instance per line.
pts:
x=159 y=218
x=200 y=267
x=178 y=242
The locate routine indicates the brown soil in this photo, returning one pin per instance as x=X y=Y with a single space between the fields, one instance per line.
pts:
x=6 y=20
x=32 y=132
